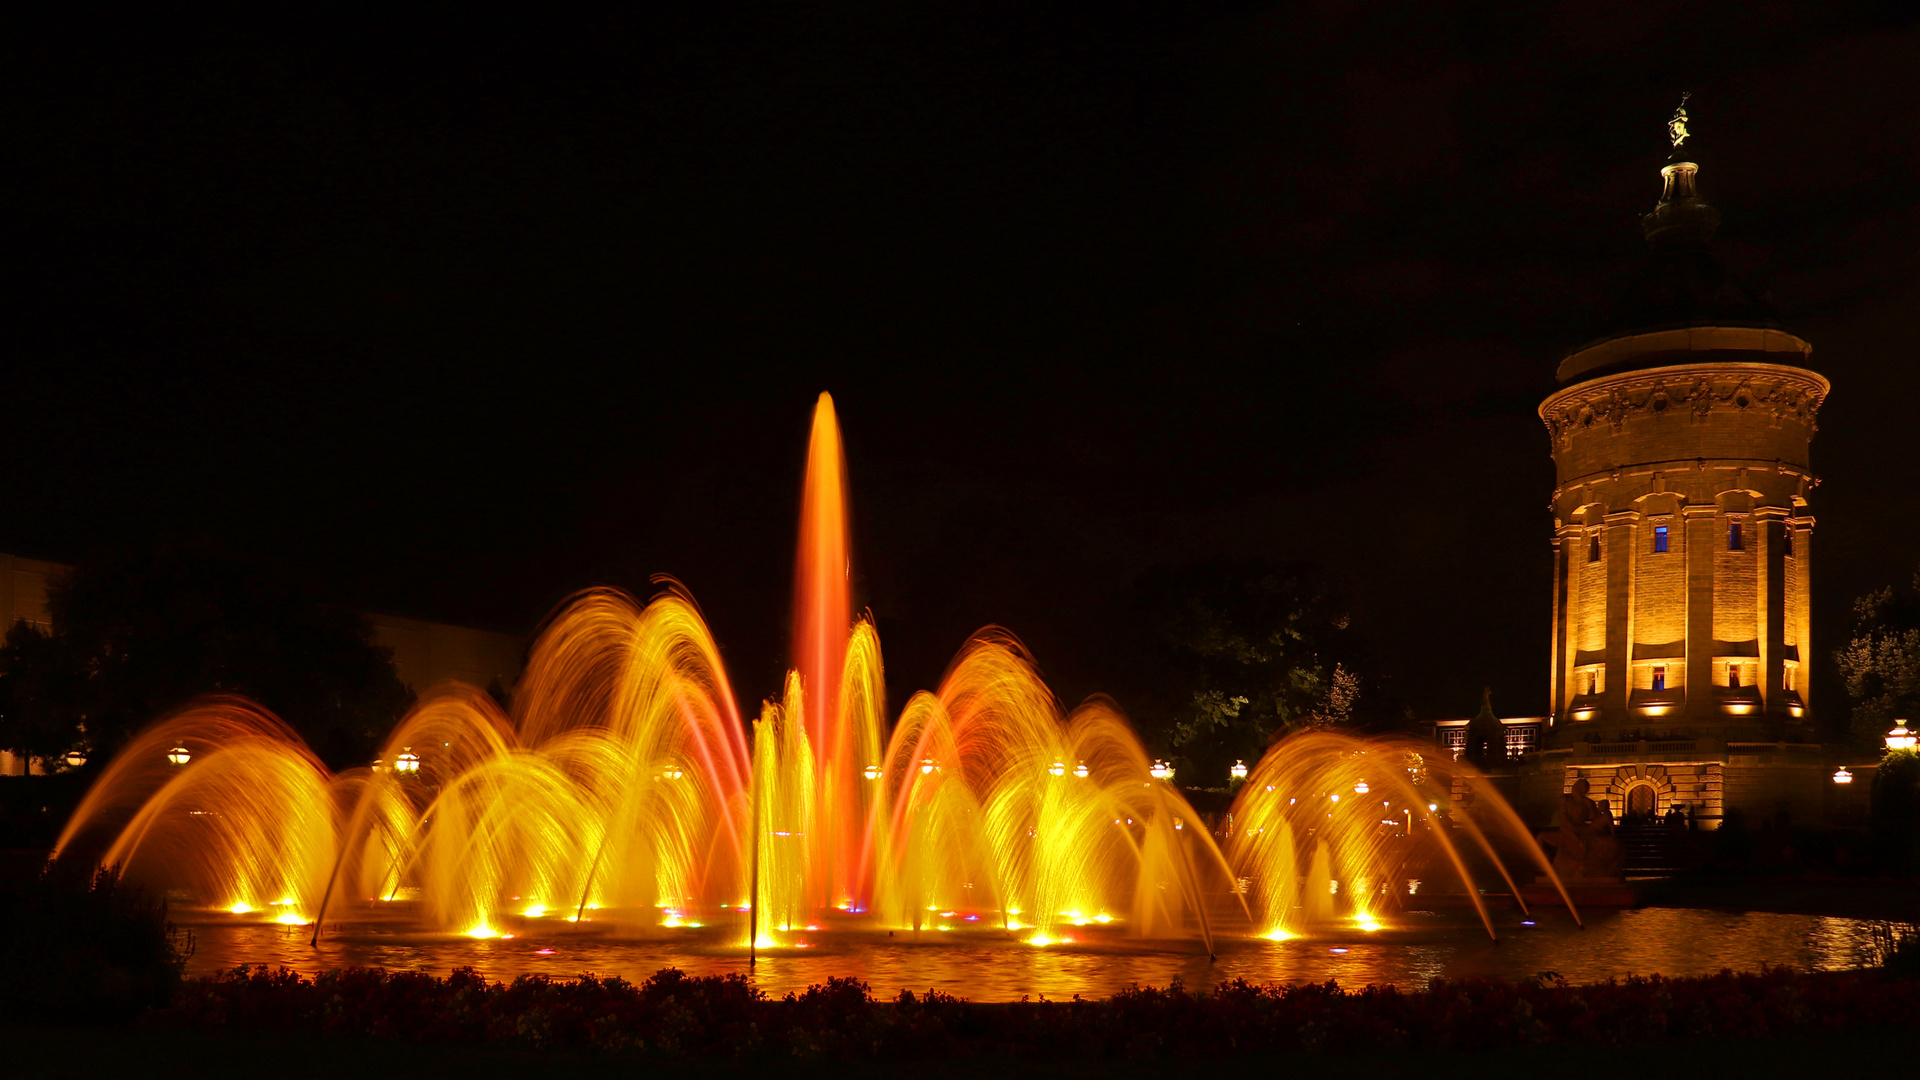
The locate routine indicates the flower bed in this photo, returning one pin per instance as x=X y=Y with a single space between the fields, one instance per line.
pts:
x=726 y=1016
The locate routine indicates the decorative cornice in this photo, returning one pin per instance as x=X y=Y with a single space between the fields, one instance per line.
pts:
x=1697 y=389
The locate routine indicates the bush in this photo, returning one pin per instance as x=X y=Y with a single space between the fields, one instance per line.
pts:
x=1896 y=812
x=1896 y=947
x=676 y=1015
x=84 y=949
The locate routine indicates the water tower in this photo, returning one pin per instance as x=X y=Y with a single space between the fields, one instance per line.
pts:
x=1683 y=533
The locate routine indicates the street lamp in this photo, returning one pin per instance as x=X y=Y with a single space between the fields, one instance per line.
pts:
x=76 y=758
x=672 y=772
x=1842 y=776
x=872 y=772
x=408 y=762
x=1058 y=768
x=1161 y=771
x=179 y=755
x=1080 y=770
x=1239 y=770
x=1899 y=738
x=926 y=766
x=1361 y=788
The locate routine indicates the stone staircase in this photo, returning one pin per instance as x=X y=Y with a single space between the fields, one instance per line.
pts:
x=1656 y=851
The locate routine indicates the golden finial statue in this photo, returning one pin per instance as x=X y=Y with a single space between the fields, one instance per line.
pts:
x=1677 y=127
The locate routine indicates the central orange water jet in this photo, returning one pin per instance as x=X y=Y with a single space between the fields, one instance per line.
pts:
x=822 y=617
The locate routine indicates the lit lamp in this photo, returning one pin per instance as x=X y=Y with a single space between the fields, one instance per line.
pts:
x=407 y=763
x=179 y=755
x=1900 y=738
x=672 y=772
x=872 y=772
x=76 y=758
x=1058 y=768
x=1361 y=788
x=1080 y=770
x=1842 y=776
x=926 y=766
x=1161 y=771
x=1239 y=770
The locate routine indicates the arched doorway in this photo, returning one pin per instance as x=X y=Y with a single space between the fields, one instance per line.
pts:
x=1641 y=800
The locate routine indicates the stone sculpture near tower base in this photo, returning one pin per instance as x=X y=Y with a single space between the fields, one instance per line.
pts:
x=1683 y=545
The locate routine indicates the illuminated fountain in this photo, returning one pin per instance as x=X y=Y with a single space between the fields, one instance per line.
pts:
x=628 y=790
x=1326 y=824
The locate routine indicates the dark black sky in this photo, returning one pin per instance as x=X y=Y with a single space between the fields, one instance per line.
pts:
x=465 y=311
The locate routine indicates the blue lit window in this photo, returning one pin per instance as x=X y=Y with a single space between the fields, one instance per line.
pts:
x=1733 y=537
x=1659 y=678
x=1659 y=538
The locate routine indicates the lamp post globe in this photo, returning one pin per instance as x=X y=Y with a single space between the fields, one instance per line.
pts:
x=1900 y=738
x=179 y=755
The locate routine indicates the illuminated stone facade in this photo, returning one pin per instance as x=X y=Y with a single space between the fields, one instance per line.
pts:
x=1683 y=538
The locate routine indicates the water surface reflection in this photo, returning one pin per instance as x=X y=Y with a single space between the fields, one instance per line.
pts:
x=984 y=966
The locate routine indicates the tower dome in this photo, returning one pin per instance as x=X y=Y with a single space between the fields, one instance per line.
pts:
x=1679 y=284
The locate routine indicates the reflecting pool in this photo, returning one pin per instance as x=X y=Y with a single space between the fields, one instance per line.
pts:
x=985 y=966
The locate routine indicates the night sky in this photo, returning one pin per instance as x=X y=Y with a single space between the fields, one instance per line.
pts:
x=462 y=312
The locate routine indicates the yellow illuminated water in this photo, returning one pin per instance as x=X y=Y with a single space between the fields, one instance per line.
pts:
x=1615 y=944
x=628 y=796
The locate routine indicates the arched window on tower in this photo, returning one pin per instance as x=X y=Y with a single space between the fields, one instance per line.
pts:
x=1593 y=547
x=1733 y=537
x=1659 y=538
x=1787 y=543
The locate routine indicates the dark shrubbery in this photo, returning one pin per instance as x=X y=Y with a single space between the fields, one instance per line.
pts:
x=1896 y=947
x=725 y=1016
x=83 y=949
x=1896 y=812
